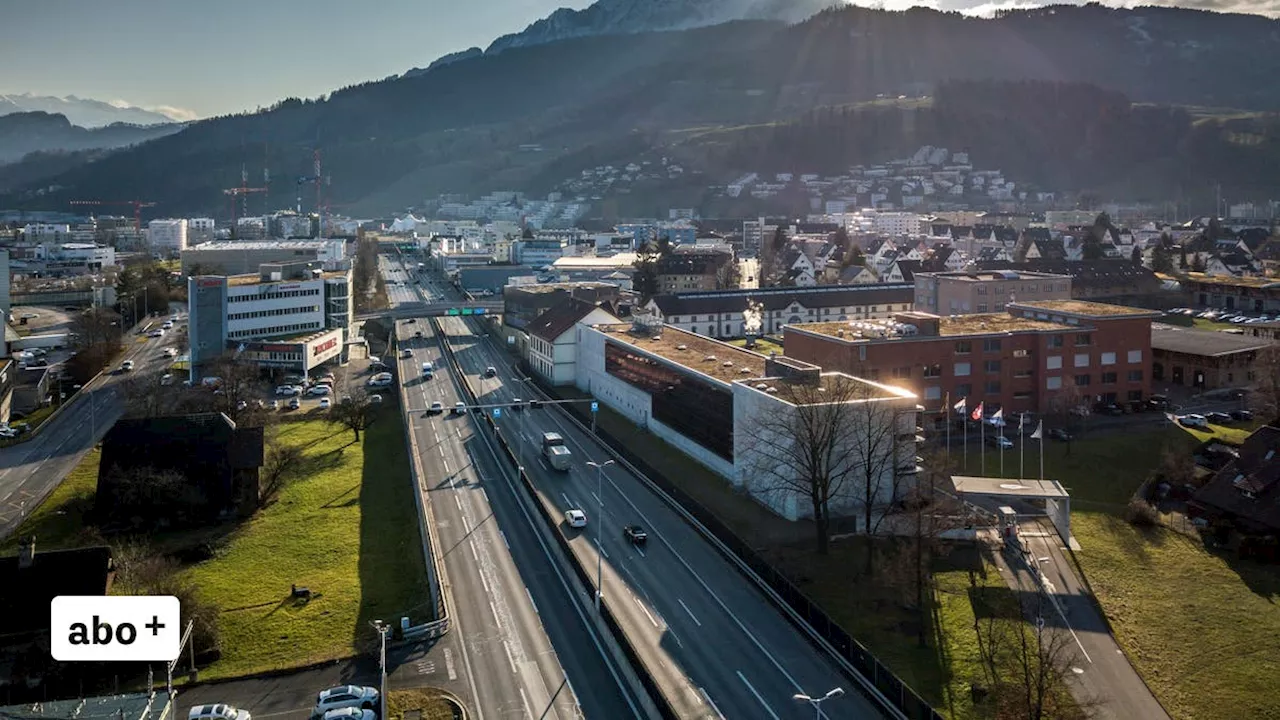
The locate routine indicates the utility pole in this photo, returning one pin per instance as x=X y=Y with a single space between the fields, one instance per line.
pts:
x=382 y=629
x=600 y=528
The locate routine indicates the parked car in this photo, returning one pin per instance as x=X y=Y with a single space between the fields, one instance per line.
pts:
x=999 y=441
x=635 y=534
x=435 y=409
x=344 y=696
x=166 y=379
x=375 y=399
x=325 y=403
x=288 y=390
x=170 y=352
x=1060 y=434
x=350 y=713
x=1193 y=420
x=1244 y=415
x=1217 y=418
x=379 y=367
x=218 y=711
x=294 y=403
x=168 y=325
x=1157 y=402
x=274 y=405
x=575 y=518
x=320 y=390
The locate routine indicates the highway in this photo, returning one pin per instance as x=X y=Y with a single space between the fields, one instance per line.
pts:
x=699 y=624
x=523 y=634
x=31 y=470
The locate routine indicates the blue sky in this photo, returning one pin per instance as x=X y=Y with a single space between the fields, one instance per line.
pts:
x=209 y=57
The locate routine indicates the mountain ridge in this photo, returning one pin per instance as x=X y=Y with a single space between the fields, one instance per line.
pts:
x=84 y=112
x=37 y=131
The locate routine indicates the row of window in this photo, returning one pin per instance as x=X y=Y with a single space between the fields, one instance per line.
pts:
x=1080 y=360
x=278 y=295
x=278 y=330
x=1107 y=378
x=796 y=310
x=274 y=313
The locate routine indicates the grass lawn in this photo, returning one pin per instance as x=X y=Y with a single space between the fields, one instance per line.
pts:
x=1201 y=626
x=426 y=701
x=763 y=346
x=346 y=529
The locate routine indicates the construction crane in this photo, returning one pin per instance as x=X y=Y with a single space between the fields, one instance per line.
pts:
x=320 y=181
x=137 y=208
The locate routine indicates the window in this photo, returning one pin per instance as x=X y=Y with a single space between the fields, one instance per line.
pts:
x=1135 y=376
x=1108 y=359
x=902 y=372
x=932 y=371
x=933 y=393
x=1053 y=362
x=992 y=366
x=993 y=387
x=982 y=289
x=1055 y=341
x=964 y=390
x=1082 y=381
x=1083 y=339
x=1135 y=394
x=961 y=370
x=1025 y=373
x=1082 y=360
x=963 y=347
x=1053 y=383
x=991 y=345
x=1022 y=395
x=1108 y=378
x=702 y=412
x=1135 y=356
x=982 y=307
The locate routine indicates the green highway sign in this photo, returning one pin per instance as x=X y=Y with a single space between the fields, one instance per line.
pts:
x=452 y=311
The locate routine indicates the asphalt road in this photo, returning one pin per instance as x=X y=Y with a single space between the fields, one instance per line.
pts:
x=706 y=632
x=31 y=470
x=524 y=641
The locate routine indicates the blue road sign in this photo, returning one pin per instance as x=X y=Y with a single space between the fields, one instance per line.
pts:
x=595 y=406
x=497 y=412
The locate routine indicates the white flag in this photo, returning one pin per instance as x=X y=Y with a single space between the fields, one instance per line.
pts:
x=1022 y=420
x=1039 y=433
x=959 y=407
x=999 y=415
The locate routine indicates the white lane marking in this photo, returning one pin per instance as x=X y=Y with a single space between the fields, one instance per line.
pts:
x=494 y=610
x=446 y=464
x=466 y=525
x=487 y=589
x=645 y=610
x=686 y=609
x=448 y=664
x=511 y=659
x=441 y=449
x=599 y=503
x=531 y=602
x=524 y=700
x=504 y=539
x=640 y=550
x=567 y=501
x=763 y=704
x=472 y=547
x=485 y=495
x=675 y=637
x=711 y=702
x=457 y=500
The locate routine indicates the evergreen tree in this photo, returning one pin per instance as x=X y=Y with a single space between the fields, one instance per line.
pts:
x=1198 y=264
x=1161 y=261
x=1182 y=259
x=1136 y=255
x=645 y=279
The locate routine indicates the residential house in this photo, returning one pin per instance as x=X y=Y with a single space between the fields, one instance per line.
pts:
x=217 y=460
x=719 y=314
x=857 y=275
x=521 y=304
x=552 y=345
x=1241 y=503
x=691 y=269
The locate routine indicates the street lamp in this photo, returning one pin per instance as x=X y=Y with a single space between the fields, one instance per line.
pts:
x=382 y=629
x=599 y=528
x=817 y=702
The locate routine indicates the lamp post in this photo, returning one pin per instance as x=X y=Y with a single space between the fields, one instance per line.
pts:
x=382 y=629
x=817 y=702
x=599 y=528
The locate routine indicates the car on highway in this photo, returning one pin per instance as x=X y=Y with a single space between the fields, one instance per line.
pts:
x=1193 y=420
x=168 y=325
x=436 y=408
x=294 y=403
x=418 y=334
x=126 y=366
x=458 y=409
x=171 y=352
x=157 y=333
x=344 y=696
x=575 y=518
x=1217 y=418
x=635 y=534
x=406 y=354
x=219 y=711
x=517 y=404
x=320 y=390
x=428 y=367
x=490 y=372
x=325 y=403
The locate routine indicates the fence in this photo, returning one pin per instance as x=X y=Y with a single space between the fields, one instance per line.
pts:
x=904 y=699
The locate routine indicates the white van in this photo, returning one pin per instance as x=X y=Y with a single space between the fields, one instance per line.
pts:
x=428 y=368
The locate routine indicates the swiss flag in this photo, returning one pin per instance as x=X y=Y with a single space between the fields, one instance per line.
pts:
x=977 y=412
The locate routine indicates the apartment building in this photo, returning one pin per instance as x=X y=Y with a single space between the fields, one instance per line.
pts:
x=720 y=313
x=959 y=293
x=242 y=257
x=1043 y=357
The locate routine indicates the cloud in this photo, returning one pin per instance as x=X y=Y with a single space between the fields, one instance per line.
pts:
x=175 y=113
x=986 y=8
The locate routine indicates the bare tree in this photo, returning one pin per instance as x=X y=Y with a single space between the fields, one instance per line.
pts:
x=236 y=391
x=146 y=397
x=729 y=274
x=832 y=443
x=355 y=412
x=1265 y=398
x=280 y=464
x=96 y=338
x=932 y=511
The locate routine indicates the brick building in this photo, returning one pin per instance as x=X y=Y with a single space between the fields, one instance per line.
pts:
x=1044 y=357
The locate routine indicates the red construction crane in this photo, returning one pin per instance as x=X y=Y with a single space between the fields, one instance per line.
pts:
x=240 y=191
x=137 y=208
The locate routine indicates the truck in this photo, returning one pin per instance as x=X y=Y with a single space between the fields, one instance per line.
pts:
x=553 y=448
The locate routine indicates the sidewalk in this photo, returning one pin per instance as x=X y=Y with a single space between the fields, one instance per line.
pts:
x=1103 y=674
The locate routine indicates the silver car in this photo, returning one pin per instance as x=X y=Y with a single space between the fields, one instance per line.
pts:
x=344 y=696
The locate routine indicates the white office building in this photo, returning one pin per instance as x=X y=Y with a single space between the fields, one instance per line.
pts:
x=284 y=304
x=75 y=258
x=167 y=237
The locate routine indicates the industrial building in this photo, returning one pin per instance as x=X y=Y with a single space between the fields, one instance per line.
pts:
x=167 y=237
x=1044 y=357
x=1204 y=359
x=709 y=399
x=288 y=316
x=245 y=256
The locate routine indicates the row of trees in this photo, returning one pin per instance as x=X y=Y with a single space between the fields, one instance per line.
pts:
x=367 y=282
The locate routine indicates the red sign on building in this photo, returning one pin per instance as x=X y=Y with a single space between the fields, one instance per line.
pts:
x=329 y=344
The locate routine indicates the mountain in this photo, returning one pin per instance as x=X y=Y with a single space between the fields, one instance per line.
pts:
x=81 y=111
x=446 y=60
x=466 y=126
x=626 y=17
x=29 y=132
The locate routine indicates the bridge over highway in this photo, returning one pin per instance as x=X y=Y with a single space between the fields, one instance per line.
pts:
x=440 y=309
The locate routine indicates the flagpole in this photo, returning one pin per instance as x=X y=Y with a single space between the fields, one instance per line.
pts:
x=982 y=443
x=946 y=413
x=1022 y=448
x=1042 y=450
x=1001 y=445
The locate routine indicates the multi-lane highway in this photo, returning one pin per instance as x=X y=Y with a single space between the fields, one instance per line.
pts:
x=523 y=635
x=31 y=470
x=700 y=625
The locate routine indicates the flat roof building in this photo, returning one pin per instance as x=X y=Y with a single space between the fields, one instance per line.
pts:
x=951 y=293
x=285 y=303
x=1045 y=357
x=1203 y=359
x=239 y=257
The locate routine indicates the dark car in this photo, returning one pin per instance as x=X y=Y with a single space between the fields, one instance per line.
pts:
x=1109 y=409
x=1158 y=402
x=410 y=321
x=1217 y=418
x=1060 y=434
x=1242 y=415
x=635 y=534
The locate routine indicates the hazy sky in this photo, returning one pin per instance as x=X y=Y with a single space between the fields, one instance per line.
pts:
x=195 y=58
x=216 y=56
